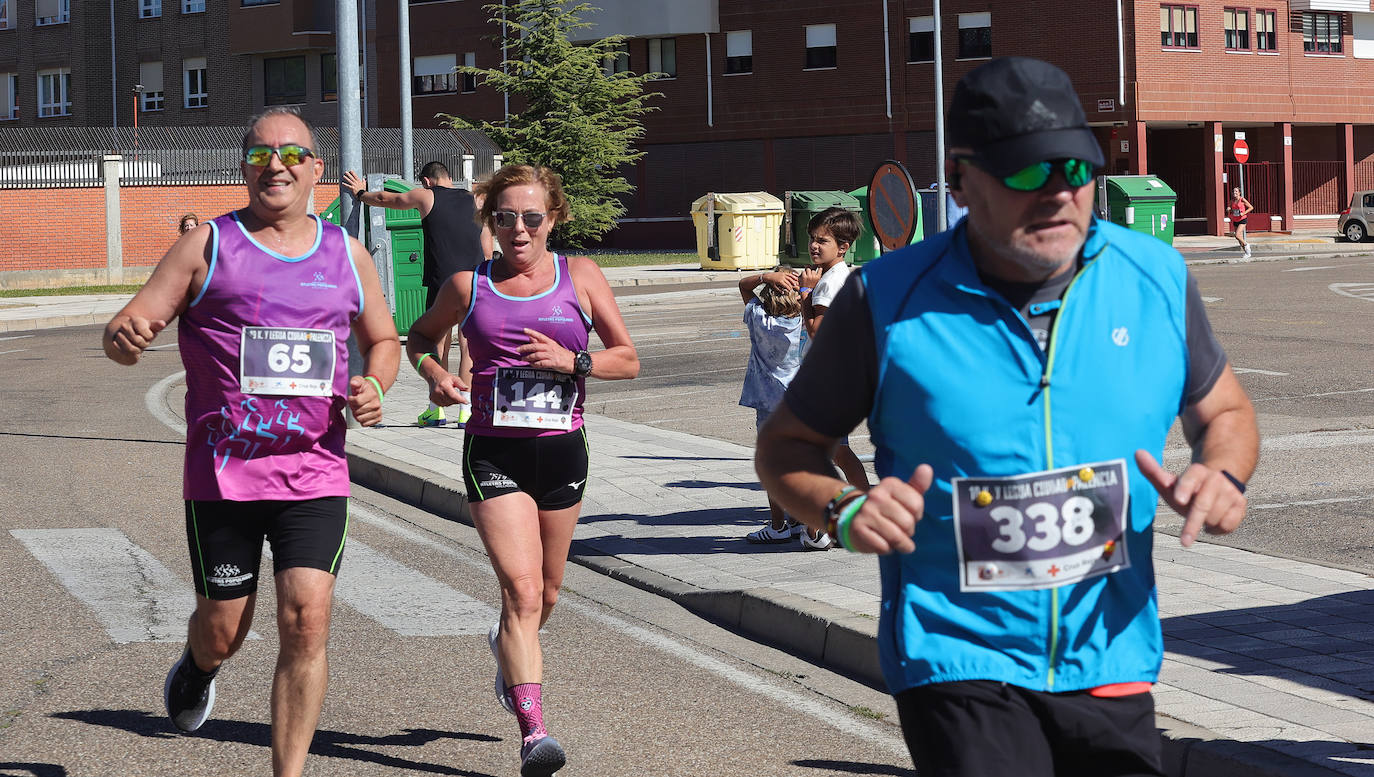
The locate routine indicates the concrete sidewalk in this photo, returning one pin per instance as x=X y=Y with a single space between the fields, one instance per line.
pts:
x=1270 y=663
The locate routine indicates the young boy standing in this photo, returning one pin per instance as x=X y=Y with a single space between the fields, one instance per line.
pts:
x=832 y=232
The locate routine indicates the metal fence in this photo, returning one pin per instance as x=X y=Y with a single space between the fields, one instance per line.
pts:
x=1317 y=188
x=49 y=157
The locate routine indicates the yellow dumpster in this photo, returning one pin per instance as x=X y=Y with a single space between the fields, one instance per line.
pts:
x=737 y=231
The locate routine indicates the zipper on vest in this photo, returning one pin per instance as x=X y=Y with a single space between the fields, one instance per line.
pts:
x=1045 y=384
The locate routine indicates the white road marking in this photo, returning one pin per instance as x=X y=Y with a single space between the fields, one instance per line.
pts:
x=1314 y=396
x=1211 y=299
x=155 y=401
x=1254 y=371
x=1323 y=267
x=131 y=593
x=15 y=337
x=1302 y=441
x=162 y=347
x=405 y=600
x=657 y=396
x=1364 y=291
x=1309 y=502
x=19 y=350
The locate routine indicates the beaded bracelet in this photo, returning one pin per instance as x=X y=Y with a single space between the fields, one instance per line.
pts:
x=832 y=508
x=851 y=509
x=377 y=384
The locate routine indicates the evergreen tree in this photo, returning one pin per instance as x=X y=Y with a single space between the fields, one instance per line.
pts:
x=572 y=116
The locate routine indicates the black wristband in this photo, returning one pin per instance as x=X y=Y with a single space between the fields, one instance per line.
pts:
x=358 y=195
x=1234 y=481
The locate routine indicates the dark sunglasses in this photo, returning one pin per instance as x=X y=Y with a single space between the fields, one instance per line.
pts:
x=290 y=154
x=505 y=219
x=1033 y=177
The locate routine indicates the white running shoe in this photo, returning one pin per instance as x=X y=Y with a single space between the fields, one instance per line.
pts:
x=500 y=687
x=770 y=536
x=821 y=542
x=1247 y=252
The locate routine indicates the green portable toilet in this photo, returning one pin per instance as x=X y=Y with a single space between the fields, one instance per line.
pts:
x=868 y=248
x=1142 y=203
x=799 y=208
x=407 y=259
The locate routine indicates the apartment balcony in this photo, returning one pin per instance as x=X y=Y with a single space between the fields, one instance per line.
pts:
x=263 y=27
x=650 y=19
x=1334 y=6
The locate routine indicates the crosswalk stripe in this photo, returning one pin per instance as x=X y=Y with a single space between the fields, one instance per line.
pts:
x=132 y=594
x=405 y=600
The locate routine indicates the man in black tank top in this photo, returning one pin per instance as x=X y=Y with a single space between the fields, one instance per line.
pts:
x=454 y=242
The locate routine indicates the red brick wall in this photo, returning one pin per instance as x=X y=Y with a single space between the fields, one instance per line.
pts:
x=64 y=229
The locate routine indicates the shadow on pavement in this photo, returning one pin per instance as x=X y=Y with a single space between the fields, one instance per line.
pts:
x=32 y=770
x=851 y=767
x=328 y=744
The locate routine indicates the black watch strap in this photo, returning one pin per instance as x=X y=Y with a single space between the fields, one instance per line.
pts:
x=582 y=364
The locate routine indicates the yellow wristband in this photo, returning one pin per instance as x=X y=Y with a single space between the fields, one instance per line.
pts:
x=421 y=360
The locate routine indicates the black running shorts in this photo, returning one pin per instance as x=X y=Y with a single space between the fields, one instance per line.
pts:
x=976 y=728
x=552 y=469
x=226 y=540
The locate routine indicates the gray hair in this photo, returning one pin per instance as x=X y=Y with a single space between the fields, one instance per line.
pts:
x=281 y=110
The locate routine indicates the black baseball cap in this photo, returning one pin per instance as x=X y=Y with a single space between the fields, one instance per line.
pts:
x=1017 y=111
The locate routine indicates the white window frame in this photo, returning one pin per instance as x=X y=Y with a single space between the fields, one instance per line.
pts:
x=663 y=57
x=62 y=105
x=192 y=6
x=431 y=65
x=153 y=98
x=467 y=82
x=64 y=13
x=620 y=63
x=917 y=25
x=974 y=21
x=6 y=20
x=739 y=44
x=818 y=38
x=195 y=98
x=11 y=109
x=149 y=9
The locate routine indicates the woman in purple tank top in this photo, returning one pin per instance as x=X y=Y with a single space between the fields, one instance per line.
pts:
x=526 y=319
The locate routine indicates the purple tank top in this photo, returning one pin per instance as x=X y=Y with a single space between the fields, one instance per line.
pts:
x=528 y=402
x=265 y=348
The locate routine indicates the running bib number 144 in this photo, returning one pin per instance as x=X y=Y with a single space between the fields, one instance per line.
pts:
x=534 y=399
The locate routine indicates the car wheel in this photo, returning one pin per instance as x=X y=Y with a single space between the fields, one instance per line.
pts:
x=1355 y=232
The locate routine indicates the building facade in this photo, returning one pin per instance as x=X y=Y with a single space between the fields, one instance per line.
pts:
x=813 y=94
x=110 y=63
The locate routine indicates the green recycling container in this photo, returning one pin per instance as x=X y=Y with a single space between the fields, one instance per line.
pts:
x=1142 y=203
x=407 y=259
x=798 y=210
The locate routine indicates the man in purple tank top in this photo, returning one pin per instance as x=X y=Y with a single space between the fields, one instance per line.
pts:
x=267 y=296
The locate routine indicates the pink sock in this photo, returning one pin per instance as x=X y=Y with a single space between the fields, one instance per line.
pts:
x=529 y=709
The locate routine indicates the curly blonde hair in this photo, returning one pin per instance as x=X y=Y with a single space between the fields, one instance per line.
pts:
x=522 y=175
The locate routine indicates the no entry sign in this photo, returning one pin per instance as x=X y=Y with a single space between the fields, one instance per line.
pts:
x=1241 y=151
x=892 y=205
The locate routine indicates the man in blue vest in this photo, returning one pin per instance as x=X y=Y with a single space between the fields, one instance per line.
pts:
x=1019 y=375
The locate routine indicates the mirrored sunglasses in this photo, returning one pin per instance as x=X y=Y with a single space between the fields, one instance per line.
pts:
x=1031 y=178
x=505 y=219
x=291 y=155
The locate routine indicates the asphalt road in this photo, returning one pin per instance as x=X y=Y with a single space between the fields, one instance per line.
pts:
x=93 y=566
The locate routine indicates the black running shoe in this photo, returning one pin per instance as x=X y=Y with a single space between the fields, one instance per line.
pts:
x=189 y=699
x=541 y=757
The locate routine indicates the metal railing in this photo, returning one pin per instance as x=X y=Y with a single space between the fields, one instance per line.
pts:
x=51 y=157
x=1317 y=188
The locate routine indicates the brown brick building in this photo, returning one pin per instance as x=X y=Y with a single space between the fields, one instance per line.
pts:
x=812 y=94
x=199 y=62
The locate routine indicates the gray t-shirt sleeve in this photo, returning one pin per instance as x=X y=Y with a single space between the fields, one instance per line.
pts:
x=1206 y=359
x=834 y=388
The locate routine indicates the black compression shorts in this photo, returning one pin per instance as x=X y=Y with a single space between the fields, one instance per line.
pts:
x=226 y=540
x=552 y=469
x=978 y=727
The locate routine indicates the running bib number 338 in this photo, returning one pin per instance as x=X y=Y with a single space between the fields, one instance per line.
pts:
x=287 y=361
x=1041 y=530
x=534 y=399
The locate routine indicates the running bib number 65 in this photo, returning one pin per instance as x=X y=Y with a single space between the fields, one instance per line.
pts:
x=287 y=361
x=1041 y=530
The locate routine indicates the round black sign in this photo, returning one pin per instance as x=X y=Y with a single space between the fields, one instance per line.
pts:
x=892 y=205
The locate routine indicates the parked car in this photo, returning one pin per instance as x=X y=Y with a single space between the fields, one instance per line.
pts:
x=1355 y=220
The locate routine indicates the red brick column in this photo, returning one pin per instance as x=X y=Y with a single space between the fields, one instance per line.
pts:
x=1286 y=192
x=1214 y=205
x=1348 y=155
x=1136 y=134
